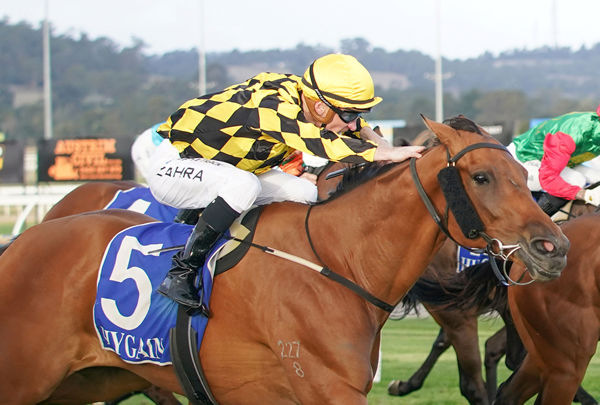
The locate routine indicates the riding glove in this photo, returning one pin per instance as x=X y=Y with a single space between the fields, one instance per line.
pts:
x=592 y=196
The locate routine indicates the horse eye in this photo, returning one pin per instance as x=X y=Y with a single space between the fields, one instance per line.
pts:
x=481 y=178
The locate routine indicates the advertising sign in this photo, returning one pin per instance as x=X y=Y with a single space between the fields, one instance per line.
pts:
x=85 y=159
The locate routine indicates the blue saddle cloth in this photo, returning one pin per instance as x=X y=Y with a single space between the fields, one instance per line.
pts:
x=141 y=200
x=467 y=258
x=130 y=317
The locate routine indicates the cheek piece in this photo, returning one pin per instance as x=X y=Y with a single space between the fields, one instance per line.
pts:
x=459 y=203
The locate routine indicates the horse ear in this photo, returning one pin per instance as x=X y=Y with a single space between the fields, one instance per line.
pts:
x=442 y=131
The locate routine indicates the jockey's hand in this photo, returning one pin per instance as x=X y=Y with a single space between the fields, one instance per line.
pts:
x=310 y=177
x=592 y=196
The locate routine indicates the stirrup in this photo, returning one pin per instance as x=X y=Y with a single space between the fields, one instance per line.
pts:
x=179 y=286
x=202 y=310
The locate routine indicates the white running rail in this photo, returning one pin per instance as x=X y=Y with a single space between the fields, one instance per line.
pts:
x=26 y=198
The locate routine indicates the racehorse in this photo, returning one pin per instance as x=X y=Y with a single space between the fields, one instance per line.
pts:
x=275 y=335
x=559 y=322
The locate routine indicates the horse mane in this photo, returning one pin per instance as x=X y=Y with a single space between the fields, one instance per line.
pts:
x=475 y=288
x=359 y=174
x=462 y=123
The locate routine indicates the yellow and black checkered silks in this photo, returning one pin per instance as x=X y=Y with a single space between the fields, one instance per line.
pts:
x=255 y=125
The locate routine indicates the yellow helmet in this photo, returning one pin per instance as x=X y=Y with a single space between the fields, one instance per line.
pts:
x=340 y=80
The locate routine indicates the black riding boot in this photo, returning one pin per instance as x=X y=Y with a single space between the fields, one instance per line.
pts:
x=187 y=216
x=179 y=284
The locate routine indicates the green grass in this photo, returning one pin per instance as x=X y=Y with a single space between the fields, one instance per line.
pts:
x=406 y=343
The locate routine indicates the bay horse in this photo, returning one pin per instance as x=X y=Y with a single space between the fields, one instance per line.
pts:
x=559 y=322
x=265 y=301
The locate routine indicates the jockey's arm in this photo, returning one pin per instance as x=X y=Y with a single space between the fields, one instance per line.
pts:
x=558 y=148
x=369 y=134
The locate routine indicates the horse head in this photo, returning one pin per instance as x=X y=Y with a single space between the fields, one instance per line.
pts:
x=482 y=184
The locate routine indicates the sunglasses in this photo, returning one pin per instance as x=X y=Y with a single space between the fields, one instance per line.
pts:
x=345 y=115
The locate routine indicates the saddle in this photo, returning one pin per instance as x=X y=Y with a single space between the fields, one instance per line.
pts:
x=549 y=203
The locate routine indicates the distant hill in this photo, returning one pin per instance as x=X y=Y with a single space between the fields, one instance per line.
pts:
x=98 y=88
x=573 y=73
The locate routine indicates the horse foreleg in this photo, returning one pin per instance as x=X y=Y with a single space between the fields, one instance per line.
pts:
x=96 y=384
x=463 y=336
x=495 y=348
x=156 y=394
x=515 y=350
x=160 y=396
x=415 y=382
x=584 y=398
x=520 y=386
x=559 y=388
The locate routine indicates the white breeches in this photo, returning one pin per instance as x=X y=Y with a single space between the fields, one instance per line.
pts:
x=194 y=183
x=580 y=175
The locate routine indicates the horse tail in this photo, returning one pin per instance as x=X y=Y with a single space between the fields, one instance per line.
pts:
x=408 y=304
x=475 y=288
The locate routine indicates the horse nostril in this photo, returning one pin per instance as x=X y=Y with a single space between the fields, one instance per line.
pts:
x=548 y=246
x=544 y=246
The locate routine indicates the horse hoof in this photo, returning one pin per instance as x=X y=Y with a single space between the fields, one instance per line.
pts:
x=398 y=388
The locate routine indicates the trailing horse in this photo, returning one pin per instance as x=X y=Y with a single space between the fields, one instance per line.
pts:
x=559 y=323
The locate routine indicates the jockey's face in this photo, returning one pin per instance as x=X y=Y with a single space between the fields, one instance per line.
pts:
x=337 y=125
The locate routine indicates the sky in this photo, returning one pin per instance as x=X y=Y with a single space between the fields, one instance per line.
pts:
x=456 y=29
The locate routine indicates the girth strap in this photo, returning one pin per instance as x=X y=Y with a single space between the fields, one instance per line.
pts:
x=185 y=358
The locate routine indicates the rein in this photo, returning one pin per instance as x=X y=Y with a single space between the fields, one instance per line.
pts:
x=342 y=280
x=324 y=271
x=468 y=220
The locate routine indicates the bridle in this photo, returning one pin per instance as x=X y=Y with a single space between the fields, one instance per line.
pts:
x=465 y=213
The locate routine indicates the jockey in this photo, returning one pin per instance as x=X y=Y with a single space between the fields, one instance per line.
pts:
x=553 y=153
x=219 y=149
x=143 y=148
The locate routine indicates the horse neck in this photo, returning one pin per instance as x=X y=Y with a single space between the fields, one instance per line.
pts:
x=383 y=235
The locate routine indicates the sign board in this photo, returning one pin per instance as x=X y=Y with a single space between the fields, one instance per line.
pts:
x=85 y=159
x=12 y=154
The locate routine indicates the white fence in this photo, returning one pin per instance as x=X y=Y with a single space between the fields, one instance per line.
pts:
x=23 y=202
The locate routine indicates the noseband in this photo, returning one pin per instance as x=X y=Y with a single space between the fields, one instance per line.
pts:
x=459 y=203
